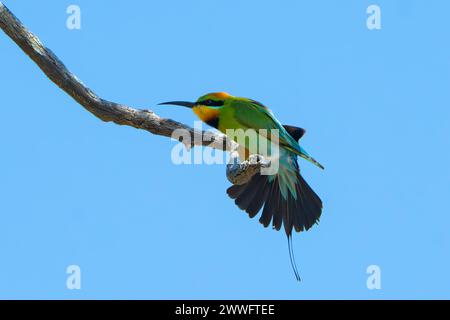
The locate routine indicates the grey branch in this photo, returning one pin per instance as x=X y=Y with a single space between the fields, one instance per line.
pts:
x=109 y=111
x=240 y=173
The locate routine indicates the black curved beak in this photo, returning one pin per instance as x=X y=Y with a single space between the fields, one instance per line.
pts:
x=179 y=103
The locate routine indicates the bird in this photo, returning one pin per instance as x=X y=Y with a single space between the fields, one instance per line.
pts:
x=284 y=197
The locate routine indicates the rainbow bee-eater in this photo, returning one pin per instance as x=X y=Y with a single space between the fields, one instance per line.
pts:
x=284 y=196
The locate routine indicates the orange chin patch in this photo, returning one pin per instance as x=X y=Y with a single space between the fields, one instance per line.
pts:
x=206 y=114
x=221 y=95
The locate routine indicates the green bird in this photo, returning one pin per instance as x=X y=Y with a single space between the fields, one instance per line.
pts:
x=284 y=196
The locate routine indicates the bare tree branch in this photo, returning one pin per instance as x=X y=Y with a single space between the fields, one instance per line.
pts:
x=109 y=111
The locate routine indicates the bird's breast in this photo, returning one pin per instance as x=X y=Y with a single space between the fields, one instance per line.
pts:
x=208 y=115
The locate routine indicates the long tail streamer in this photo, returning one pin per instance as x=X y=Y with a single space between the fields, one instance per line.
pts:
x=292 y=258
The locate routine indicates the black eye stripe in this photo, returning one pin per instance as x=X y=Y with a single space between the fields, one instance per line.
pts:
x=210 y=103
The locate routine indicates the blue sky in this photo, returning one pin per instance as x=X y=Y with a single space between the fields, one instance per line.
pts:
x=75 y=190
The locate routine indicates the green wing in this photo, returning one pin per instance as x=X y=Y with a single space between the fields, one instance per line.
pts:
x=252 y=114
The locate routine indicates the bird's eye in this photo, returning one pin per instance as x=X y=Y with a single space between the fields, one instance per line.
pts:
x=209 y=102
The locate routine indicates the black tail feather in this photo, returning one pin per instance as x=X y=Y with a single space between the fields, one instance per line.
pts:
x=259 y=198
x=310 y=204
x=277 y=208
x=299 y=213
x=248 y=194
x=267 y=213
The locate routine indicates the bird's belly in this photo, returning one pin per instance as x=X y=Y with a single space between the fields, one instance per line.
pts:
x=251 y=142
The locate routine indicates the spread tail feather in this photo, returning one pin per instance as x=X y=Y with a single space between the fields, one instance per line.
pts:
x=299 y=212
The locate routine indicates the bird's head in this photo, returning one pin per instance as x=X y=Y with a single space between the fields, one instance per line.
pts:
x=207 y=107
